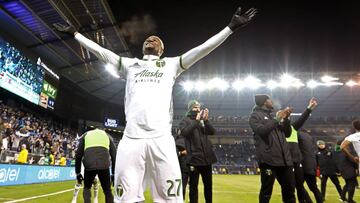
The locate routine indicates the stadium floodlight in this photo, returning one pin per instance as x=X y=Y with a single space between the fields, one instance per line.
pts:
x=333 y=83
x=328 y=79
x=312 y=84
x=297 y=84
x=112 y=70
x=238 y=85
x=287 y=80
x=252 y=83
x=272 y=84
x=200 y=86
x=187 y=86
x=218 y=84
x=351 y=83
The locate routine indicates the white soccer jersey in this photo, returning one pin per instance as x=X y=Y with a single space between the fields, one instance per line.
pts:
x=355 y=140
x=149 y=83
x=148 y=95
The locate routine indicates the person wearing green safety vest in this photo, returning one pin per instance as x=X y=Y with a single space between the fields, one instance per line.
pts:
x=95 y=150
x=295 y=152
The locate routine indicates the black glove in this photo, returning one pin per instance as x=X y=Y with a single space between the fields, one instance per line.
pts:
x=79 y=178
x=112 y=179
x=67 y=29
x=240 y=20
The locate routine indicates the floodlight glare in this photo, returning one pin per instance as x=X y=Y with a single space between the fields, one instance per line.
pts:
x=218 y=84
x=312 y=84
x=328 y=78
x=351 y=83
x=188 y=86
x=297 y=84
x=333 y=83
x=252 y=83
x=238 y=85
x=200 y=86
x=271 y=84
x=288 y=80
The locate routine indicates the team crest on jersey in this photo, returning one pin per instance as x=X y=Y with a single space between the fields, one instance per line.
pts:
x=160 y=63
x=119 y=190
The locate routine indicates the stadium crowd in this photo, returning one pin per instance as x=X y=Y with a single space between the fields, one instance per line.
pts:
x=47 y=141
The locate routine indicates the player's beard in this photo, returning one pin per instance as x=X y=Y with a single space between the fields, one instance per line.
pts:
x=150 y=51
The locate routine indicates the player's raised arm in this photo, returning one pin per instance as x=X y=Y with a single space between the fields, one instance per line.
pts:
x=101 y=53
x=238 y=20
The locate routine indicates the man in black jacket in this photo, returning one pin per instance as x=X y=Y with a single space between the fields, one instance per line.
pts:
x=303 y=196
x=308 y=151
x=195 y=128
x=326 y=161
x=95 y=150
x=273 y=154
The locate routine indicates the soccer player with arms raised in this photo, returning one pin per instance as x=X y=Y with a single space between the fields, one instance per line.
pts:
x=147 y=150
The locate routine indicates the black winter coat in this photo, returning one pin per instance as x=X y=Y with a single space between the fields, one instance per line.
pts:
x=197 y=144
x=180 y=146
x=345 y=165
x=326 y=160
x=308 y=150
x=270 y=138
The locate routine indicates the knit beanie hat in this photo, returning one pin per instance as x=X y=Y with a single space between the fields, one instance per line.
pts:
x=260 y=99
x=191 y=104
x=320 y=142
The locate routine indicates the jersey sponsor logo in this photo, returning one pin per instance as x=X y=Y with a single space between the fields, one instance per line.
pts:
x=149 y=74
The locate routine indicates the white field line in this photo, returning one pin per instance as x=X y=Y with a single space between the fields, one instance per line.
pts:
x=39 y=196
x=1 y=198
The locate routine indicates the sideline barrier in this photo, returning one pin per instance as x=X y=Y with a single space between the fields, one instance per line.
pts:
x=14 y=174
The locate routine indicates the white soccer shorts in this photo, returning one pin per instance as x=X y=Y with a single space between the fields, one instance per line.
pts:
x=147 y=161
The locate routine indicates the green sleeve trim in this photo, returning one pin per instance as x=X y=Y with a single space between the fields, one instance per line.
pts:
x=120 y=65
x=181 y=64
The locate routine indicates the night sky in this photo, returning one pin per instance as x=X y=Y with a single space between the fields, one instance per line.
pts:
x=294 y=36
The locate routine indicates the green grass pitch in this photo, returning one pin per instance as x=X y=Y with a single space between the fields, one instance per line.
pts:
x=226 y=189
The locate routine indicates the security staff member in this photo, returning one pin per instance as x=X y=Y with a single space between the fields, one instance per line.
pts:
x=308 y=151
x=272 y=149
x=326 y=161
x=95 y=149
x=195 y=128
x=293 y=141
